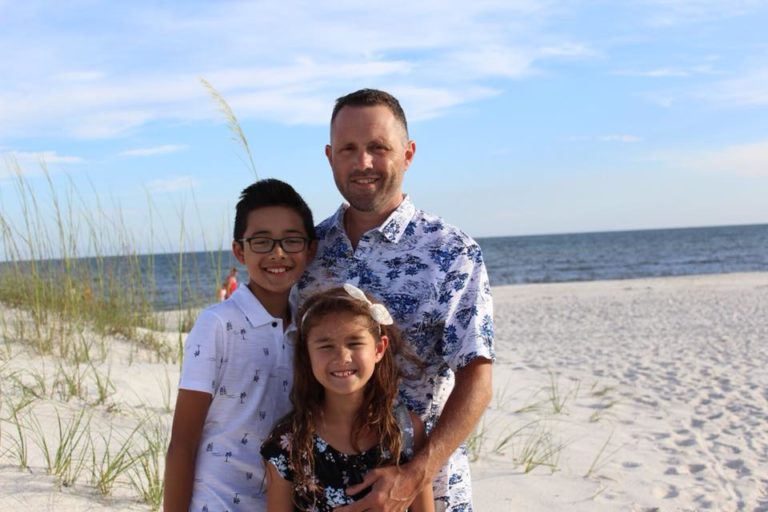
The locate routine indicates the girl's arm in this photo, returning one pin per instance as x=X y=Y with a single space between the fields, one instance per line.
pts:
x=425 y=500
x=279 y=491
x=188 y=421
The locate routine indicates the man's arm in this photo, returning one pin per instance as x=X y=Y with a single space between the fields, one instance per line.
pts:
x=394 y=490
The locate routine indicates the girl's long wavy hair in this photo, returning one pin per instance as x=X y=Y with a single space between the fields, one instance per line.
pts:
x=376 y=413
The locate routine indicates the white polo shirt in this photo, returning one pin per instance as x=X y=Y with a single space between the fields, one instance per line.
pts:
x=239 y=354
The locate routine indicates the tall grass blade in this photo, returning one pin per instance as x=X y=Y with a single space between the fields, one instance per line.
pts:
x=232 y=123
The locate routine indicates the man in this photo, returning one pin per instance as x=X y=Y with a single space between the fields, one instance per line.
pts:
x=433 y=280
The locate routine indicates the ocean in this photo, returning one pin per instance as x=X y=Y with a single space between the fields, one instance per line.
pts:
x=515 y=260
x=605 y=255
x=626 y=254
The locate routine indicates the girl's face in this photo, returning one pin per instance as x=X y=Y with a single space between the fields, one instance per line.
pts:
x=344 y=353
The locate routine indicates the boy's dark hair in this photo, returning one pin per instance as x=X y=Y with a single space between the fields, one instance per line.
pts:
x=371 y=98
x=271 y=192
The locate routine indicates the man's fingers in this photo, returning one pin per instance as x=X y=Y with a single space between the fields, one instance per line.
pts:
x=358 y=506
x=368 y=481
x=355 y=507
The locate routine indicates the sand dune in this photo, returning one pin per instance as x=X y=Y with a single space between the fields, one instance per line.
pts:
x=633 y=395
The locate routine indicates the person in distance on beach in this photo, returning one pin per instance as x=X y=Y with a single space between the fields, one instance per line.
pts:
x=229 y=285
x=236 y=375
x=430 y=275
x=344 y=420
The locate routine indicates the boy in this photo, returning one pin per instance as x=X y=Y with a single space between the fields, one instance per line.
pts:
x=236 y=375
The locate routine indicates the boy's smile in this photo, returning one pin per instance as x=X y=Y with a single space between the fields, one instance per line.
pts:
x=271 y=274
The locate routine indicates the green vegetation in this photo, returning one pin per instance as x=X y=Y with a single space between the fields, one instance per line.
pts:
x=73 y=289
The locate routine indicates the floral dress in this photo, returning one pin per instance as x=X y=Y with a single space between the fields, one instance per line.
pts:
x=334 y=470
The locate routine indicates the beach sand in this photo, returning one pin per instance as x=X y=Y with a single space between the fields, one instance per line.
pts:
x=638 y=395
x=664 y=392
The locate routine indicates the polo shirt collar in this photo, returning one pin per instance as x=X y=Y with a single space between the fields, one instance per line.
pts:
x=253 y=309
x=392 y=229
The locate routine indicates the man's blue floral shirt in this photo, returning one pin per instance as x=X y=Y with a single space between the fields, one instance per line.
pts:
x=432 y=278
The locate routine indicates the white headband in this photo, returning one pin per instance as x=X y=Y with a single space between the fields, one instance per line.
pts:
x=378 y=311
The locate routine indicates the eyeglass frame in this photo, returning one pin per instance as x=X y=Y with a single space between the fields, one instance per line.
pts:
x=275 y=241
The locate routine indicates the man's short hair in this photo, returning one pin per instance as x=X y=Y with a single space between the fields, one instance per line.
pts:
x=371 y=98
x=271 y=192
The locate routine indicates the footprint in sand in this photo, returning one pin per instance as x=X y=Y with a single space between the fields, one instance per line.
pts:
x=696 y=468
x=739 y=467
x=631 y=465
x=690 y=441
x=722 y=448
x=665 y=491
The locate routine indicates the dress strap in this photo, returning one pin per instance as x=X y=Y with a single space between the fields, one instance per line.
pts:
x=406 y=431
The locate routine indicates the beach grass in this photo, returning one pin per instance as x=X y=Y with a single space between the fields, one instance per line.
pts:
x=72 y=282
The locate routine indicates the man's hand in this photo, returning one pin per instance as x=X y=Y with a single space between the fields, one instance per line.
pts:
x=393 y=489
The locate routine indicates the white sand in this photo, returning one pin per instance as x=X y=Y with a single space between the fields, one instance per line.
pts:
x=669 y=375
x=661 y=387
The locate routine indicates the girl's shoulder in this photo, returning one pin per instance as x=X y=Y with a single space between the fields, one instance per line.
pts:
x=279 y=439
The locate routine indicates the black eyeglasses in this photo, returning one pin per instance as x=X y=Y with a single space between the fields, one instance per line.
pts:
x=264 y=244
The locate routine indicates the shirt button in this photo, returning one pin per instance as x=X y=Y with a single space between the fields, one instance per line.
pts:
x=274 y=324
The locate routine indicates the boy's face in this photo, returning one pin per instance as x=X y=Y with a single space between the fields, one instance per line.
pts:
x=272 y=274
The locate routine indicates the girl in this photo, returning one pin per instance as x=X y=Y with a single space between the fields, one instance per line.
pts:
x=343 y=421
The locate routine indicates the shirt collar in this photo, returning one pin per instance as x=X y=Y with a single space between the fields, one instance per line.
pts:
x=253 y=309
x=393 y=228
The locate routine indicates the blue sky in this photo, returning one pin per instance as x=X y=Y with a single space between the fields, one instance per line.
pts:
x=529 y=117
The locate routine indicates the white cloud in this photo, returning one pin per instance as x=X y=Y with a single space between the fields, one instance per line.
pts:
x=172 y=184
x=78 y=76
x=614 y=137
x=739 y=159
x=64 y=79
x=705 y=68
x=13 y=162
x=655 y=73
x=620 y=137
x=567 y=50
x=671 y=13
x=157 y=150
x=44 y=157
x=749 y=89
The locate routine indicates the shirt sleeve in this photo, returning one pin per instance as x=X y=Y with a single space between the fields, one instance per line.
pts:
x=203 y=353
x=468 y=328
x=274 y=454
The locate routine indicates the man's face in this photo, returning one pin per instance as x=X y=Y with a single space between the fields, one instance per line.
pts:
x=369 y=154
